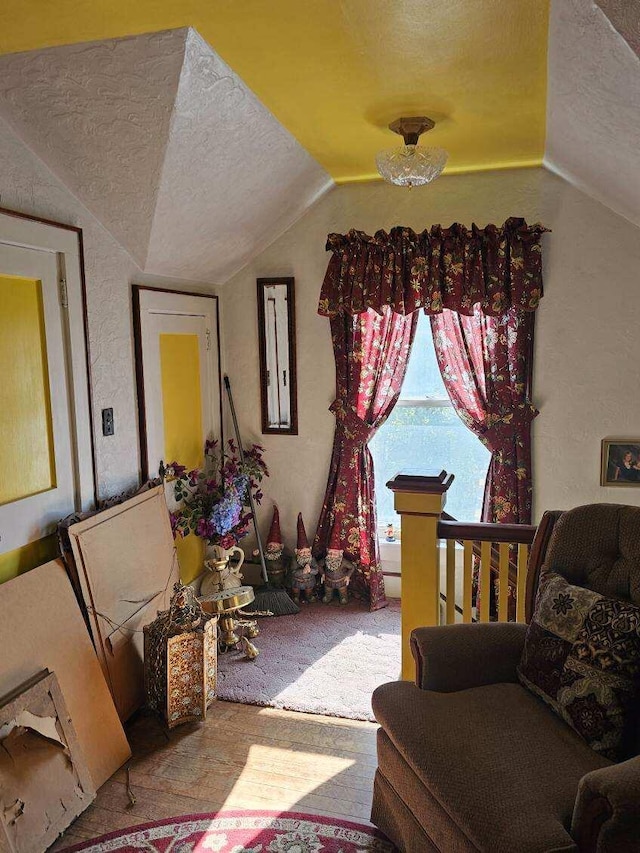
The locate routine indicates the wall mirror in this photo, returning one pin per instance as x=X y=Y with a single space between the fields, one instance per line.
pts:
x=277 y=337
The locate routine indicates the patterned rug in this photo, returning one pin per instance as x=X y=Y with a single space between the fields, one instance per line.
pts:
x=242 y=832
x=327 y=659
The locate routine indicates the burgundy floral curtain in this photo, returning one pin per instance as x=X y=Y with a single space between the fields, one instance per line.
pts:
x=486 y=363
x=455 y=268
x=371 y=352
x=481 y=287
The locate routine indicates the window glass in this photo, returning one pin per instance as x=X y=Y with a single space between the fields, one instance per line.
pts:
x=423 y=378
x=428 y=438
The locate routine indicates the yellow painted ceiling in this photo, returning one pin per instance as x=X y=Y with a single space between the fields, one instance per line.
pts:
x=336 y=72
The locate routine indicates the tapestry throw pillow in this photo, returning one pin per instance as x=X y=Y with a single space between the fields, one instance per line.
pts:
x=582 y=656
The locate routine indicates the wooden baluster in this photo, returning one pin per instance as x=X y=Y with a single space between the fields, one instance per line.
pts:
x=521 y=584
x=485 y=581
x=451 y=582
x=503 y=582
x=467 y=588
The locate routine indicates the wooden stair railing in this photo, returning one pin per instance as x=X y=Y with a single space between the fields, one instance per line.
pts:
x=501 y=549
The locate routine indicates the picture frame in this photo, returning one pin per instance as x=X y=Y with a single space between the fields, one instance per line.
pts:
x=620 y=462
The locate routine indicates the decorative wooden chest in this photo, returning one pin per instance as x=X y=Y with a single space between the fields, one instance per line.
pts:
x=180 y=660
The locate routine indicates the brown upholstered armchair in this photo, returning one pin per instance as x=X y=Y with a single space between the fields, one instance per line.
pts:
x=470 y=760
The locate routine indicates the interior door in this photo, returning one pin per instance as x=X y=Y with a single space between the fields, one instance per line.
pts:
x=38 y=466
x=46 y=452
x=179 y=394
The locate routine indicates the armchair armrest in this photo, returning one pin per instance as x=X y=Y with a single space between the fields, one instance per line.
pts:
x=606 y=816
x=456 y=657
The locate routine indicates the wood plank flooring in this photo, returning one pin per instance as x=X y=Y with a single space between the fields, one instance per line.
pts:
x=241 y=757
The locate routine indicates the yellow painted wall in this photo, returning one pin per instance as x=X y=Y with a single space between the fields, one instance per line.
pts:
x=182 y=413
x=15 y=563
x=27 y=459
x=27 y=462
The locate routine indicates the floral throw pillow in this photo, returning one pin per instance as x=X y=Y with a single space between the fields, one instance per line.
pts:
x=582 y=656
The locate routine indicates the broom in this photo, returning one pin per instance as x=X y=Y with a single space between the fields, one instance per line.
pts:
x=267 y=597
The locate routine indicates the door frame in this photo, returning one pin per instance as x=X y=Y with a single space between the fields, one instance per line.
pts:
x=136 y=290
x=76 y=343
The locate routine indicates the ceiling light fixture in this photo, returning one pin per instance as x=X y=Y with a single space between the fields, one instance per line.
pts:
x=411 y=165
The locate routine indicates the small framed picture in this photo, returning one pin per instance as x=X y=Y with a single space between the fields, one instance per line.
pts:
x=620 y=463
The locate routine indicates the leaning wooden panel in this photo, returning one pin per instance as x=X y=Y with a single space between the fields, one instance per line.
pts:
x=126 y=566
x=44 y=780
x=41 y=627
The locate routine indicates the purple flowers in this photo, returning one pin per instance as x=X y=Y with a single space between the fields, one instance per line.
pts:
x=212 y=500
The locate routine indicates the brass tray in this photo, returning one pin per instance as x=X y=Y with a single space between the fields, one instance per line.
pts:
x=227 y=600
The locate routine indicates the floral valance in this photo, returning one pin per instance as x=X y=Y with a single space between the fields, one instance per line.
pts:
x=455 y=268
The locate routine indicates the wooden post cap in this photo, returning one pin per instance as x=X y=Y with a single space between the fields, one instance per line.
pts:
x=428 y=483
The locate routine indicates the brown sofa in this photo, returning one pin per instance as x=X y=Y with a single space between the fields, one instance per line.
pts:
x=470 y=760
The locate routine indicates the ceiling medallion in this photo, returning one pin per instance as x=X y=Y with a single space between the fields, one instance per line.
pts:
x=411 y=165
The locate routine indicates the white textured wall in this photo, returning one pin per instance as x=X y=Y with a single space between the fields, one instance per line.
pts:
x=593 y=104
x=587 y=345
x=28 y=186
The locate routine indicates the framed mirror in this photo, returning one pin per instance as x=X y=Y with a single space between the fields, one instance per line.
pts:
x=277 y=340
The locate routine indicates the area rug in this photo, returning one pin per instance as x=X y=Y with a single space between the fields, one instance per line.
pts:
x=242 y=832
x=327 y=659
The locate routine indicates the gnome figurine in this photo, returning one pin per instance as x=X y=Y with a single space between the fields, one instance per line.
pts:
x=304 y=567
x=337 y=574
x=277 y=561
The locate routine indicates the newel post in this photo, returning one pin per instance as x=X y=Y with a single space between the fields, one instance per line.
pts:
x=419 y=500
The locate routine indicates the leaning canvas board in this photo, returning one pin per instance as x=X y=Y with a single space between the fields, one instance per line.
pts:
x=127 y=565
x=44 y=780
x=41 y=627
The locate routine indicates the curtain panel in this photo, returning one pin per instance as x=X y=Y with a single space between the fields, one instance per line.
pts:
x=485 y=363
x=371 y=352
x=457 y=268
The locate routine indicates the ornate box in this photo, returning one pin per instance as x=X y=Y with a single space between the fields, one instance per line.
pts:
x=180 y=660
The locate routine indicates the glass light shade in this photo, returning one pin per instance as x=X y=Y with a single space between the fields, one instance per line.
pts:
x=411 y=165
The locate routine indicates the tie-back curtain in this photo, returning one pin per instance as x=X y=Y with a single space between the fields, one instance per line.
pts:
x=457 y=268
x=485 y=363
x=371 y=353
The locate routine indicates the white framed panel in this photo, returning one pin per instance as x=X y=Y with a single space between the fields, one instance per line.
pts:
x=52 y=253
x=158 y=312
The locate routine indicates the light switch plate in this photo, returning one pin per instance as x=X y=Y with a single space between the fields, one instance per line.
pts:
x=107 y=422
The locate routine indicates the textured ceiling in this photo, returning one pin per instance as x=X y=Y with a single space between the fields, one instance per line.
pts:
x=593 y=120
x=335 y=72
x=165 y=145
x=624 y=15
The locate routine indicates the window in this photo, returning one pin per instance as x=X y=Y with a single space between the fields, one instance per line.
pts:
x=424 y=432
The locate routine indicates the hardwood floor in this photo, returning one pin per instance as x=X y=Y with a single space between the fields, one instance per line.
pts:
x=241 y=757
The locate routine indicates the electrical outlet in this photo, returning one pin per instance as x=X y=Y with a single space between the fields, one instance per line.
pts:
x=107 y=422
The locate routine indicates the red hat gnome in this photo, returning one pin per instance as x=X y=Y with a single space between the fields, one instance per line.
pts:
x=305 y=567
x=303 y=549
x=275 y=546
x=276 y=561
x=337 y=571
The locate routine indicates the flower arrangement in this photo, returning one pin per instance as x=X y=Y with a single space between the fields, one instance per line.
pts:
x=213 y=501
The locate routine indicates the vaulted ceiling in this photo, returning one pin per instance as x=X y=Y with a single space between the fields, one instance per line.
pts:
x=198 y=130
x=336 y=72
